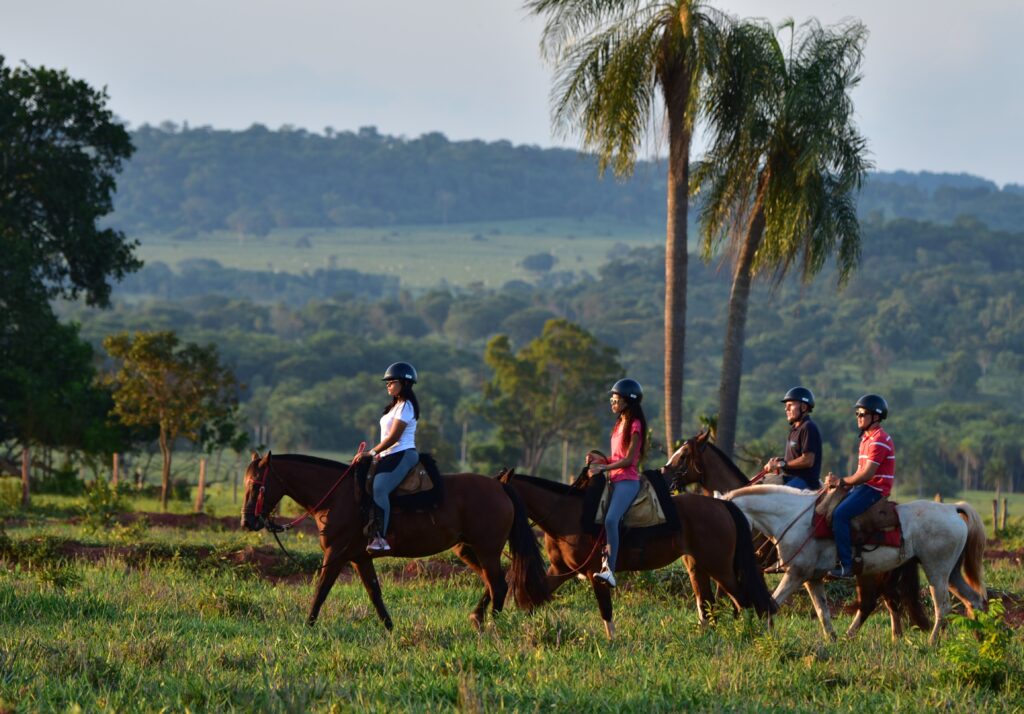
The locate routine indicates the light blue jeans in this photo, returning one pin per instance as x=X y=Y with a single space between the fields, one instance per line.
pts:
x=623 y=493
x=384 y=482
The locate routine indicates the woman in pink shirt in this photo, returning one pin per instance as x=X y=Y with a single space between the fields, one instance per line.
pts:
x=627 y=452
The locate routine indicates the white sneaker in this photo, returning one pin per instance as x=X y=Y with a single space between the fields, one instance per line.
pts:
x=378 y=545
x=606 y=575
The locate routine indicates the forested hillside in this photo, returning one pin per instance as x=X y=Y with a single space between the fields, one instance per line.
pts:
x=933 y=319
x=182 y=181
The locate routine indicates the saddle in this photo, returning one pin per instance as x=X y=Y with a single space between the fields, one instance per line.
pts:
x=416 y=481
x=879 y=525
x=652 y=513
x=645 y=511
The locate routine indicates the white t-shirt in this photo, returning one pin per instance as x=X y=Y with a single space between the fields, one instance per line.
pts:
x=402 y=411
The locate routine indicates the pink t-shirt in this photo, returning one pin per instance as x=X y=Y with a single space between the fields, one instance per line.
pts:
x=620 y=448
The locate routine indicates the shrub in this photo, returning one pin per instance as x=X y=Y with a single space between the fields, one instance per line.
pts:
x=976 y=652
x=10 y=494
x=102 y=504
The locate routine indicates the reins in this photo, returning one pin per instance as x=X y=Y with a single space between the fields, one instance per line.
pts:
x=309 y=511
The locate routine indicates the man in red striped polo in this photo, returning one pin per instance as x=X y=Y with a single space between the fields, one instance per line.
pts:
x=876 y=468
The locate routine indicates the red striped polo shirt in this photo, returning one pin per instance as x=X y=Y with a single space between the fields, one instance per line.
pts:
x=876 y=447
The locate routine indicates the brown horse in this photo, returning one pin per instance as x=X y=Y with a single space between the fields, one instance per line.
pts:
x=476 y=518
x=714 y=542
x=701 y=462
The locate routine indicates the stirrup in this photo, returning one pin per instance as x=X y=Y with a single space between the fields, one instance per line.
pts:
x=608 y=576
x=378 y=545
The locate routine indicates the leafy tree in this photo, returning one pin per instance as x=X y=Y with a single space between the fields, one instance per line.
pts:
x=959 y=374
x=552 y=389
x=182 y=389
x=783 y=168
x=60 y=149
x=612 y=60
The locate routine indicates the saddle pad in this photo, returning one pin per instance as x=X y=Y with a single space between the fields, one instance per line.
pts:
x=645 y=511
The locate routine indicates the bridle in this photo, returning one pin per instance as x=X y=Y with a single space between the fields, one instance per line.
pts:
x=694 y=457
x=260 y=481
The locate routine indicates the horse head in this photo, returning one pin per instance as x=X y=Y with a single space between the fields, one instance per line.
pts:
x=262 y=492
x=686 y=465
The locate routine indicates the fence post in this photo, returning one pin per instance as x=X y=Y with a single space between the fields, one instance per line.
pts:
x=25 y=461
x=116 y=470
x=995 y=517
x=938 y=497
x=1002 y=520
x=201 y=490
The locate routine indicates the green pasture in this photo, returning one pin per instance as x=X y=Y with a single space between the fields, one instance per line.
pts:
x=421 y=256
x=159 y=627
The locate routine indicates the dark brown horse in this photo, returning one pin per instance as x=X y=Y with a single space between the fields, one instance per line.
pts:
x=701 y=462
x=476 y=518
x=714 y=542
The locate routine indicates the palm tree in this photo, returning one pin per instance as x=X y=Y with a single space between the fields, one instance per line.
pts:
x=779 y=181
x=613 y=58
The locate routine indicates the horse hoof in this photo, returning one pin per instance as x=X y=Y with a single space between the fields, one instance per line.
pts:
x=389 y=625
x=476 y=621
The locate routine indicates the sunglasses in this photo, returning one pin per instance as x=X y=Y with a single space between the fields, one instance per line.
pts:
x=863 y=414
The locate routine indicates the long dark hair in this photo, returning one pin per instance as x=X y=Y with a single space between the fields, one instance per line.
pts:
x=406 y=395
x=632 y=411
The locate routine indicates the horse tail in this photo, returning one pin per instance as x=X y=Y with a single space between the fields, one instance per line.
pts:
x=526 y=575
x=974 y=551
x=745 y=565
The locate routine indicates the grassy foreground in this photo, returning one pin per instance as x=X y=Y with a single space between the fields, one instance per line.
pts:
x=130 y=634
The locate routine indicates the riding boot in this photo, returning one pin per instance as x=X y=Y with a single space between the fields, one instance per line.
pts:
x=375 y=525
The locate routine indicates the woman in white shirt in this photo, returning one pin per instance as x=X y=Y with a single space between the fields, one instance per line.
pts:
x=396 y=453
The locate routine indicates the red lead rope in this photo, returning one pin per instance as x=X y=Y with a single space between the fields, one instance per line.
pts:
x=311 y=511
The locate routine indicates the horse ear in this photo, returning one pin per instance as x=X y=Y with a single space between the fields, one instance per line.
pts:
x=703 y=436
x=265 y=460
x=505 y=474
x=254 y=457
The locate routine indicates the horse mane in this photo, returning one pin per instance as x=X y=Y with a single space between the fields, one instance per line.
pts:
x=314 y=460
x=555 y=486
x=730 y=464
x=761 y=489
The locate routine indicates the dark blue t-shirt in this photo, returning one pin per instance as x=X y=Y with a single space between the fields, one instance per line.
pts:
x=804 y=438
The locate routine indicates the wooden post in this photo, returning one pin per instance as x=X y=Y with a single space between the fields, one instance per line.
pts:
x=201 y=490
x=464 y=450
x=565 y=461
x=938 y=497
x=1002 y=520
x=114 y=473
x=25 y=461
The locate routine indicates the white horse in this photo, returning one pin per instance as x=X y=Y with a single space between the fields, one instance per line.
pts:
x=943 y=537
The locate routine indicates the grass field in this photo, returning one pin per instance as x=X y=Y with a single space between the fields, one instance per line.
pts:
x=182 y=634
x=421 y=256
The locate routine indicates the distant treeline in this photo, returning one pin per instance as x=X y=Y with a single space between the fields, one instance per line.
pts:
x=184 y=180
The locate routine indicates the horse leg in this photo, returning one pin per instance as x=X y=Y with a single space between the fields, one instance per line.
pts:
x=329 y=572
x=867 y=601
x=702 y=591
x=603 y=593
x=938 y=585
x=790 y=582
x=368 y=574
x=965 y=593
x=816 y=590
x=468 y=556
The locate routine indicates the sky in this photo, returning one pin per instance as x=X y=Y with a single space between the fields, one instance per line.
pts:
x=942 y=87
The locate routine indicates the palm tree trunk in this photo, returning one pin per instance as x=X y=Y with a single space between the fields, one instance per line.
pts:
x=735 y=333
x=676 y=87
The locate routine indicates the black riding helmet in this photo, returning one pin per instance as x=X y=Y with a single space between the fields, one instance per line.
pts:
x=629 y=388
x=799 y=394
x=400 y=370
x=873 y=403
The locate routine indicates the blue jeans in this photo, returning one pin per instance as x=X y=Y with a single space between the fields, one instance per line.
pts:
x=398 y=466
x=623 y=493
x=795 y=482
x=861 y=498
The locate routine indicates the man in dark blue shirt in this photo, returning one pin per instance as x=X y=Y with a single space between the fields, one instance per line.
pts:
x=801 y=466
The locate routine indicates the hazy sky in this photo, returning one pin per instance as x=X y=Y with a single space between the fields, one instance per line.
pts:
x=943 y=86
